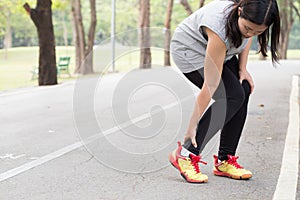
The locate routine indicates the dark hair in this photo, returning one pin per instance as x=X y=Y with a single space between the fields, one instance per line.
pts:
x=260 y=12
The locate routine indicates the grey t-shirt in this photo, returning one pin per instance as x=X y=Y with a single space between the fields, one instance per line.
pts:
x=189 y=35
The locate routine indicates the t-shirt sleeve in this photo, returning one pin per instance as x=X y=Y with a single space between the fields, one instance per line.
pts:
x=214 y=23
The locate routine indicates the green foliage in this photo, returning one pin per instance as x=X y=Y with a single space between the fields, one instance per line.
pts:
x=294 y=39
x=60 y=4
x=126 y=32
x=127 y=13
x=21 y=25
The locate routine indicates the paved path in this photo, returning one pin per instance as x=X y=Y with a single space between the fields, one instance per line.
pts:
x=106 y=138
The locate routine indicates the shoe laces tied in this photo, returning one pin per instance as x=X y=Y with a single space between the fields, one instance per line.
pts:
x=233 y=161
x=195 y=160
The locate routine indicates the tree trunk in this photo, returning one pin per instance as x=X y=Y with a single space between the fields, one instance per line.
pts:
x=84 y=53
x=75 y=37
x=201 y=4
x=8 y=35
x=42 y=18
x=65 y=28
x=144 y=23
x=286 y=26
x=186 y=6
x=168 y=33
x=79 y=32
x=88 y=67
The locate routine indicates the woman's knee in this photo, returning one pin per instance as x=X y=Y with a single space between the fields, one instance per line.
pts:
x=247 y=88
x=241 y=94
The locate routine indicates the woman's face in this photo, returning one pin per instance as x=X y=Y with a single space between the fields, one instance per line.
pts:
x=249 y=29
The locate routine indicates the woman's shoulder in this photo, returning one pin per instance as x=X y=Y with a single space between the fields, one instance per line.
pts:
x=214 y=16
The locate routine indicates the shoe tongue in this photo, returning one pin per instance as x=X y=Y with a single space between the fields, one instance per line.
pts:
x=194 y=157
x=233 y=158
x=191 y=156
x=233 y=161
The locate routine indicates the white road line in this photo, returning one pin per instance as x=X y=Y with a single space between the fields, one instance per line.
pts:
x=25 y=167
x=288 y=178
x=18 y=170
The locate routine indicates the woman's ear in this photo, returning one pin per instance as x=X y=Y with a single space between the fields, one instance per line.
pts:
x=239 y=11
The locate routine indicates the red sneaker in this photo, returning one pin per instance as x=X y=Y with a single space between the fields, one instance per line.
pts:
x=188 y=166
x=230 y=168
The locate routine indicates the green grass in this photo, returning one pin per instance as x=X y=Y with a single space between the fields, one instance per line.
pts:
x=293 y=54
x=16 y=64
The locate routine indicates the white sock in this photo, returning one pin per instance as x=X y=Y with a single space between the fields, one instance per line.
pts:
x=184 y=152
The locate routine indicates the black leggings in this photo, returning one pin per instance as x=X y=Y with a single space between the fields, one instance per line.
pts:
x=227 y=113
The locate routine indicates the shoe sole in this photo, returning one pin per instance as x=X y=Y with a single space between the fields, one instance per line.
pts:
x=243 y=177
x=174 y=164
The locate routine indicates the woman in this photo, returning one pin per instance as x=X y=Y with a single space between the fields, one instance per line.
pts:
x=211 y=49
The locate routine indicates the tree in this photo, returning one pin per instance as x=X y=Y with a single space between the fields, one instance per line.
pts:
x=201 y=4
x=60 y=7
x=14 y=29
x=144 y=34
x=84 y=51
x=186 y=6
x=168 y=33
x=287 y=11
x=7 y=8
x=42 y=18
x=8 y=36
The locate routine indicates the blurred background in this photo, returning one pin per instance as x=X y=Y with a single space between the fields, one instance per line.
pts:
x=133 y=33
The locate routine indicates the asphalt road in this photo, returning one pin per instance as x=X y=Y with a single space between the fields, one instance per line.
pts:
x=109 y=137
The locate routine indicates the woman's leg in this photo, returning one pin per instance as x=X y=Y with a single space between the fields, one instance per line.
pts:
x=231 y=132
x=229 y=98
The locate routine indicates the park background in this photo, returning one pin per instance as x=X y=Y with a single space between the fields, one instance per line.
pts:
x=19 y=42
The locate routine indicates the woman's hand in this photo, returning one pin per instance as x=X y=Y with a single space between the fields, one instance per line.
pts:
x=245 y=75
x=191 y=136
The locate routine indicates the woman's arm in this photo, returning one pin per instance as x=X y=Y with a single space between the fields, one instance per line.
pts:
x=213 y=66
x=243 y=58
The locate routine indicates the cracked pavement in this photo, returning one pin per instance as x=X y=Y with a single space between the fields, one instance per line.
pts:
x=38 y=121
